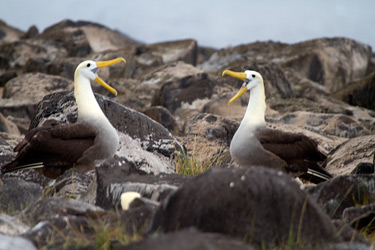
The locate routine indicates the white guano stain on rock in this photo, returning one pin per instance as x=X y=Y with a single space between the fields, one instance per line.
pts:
x=154 y=163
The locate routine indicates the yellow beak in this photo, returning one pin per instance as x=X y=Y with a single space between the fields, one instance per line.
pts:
x=238 y=75
x=103 y=64
x=239 y=93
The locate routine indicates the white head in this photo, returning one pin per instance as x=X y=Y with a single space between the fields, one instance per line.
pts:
x=251 y=80
x=88 y=69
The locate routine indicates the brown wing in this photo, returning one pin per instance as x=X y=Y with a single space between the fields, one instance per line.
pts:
x=289 y=146
x=299 y=151
x=55 y=147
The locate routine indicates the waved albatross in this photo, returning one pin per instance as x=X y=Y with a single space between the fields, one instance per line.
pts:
x=254 y=144
x=53 y=149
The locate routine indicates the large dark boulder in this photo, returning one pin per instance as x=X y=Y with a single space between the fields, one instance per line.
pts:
x=263 y=205
x=188 y=239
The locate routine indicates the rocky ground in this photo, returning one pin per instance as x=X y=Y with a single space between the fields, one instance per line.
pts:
x=174 y=123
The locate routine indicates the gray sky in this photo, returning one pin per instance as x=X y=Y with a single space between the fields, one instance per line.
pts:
x=216 y=23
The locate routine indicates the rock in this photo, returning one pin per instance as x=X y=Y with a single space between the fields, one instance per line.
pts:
x=317 y=104
x=22 y=93
x=154 y=55
x=33 y=65
x=176 y=94
x=329 y=124
x=78 y=231
x=360 y=218
x=164 y=117
x=349 y=234
x=6 y=76
x=331 y=62
x=219 y=106
x=48 y=208
x=81 y=38
x=364 y=168
x=34 y=86
x=188 y=239
x=64 y=67
x=9 y=34
x=16 y=243
x=17 y=54
x=17 y=194
x=264 y=205
x=22 y=123
x=8 y=126
x=204 y=54
x=114 y=178
x=62 y=232
x=345 y=246
x=71 y=184
x=207 y=138
x=18 y=108
x=253 y=51
x=364 y=121
x=360 y=92
x=345 y=158
x=28 y=175
x=342 y=192
x=133 y=221
x=12 y=226
x=142 y=202
x=149 y=84
x=31 y=32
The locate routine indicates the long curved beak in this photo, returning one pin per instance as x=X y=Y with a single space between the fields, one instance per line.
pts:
x=103 y=64
x=239 y=75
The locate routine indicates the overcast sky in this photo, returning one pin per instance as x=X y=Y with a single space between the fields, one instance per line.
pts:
x=215 y=23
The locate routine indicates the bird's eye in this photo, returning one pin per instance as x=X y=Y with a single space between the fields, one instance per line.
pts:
x=253 y=75
x=88 y=65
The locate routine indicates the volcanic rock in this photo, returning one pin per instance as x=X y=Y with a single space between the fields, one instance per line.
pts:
x=114 y=178
x=55 y=207
x=345 y=158
x=16 y=243
x=151 y=56
x=258 y=203
x=359 y=93
x=12 y=226
x=9 y=34
x=331 y=62
x=17 y=194
x=343 y=192
x=188 y=239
